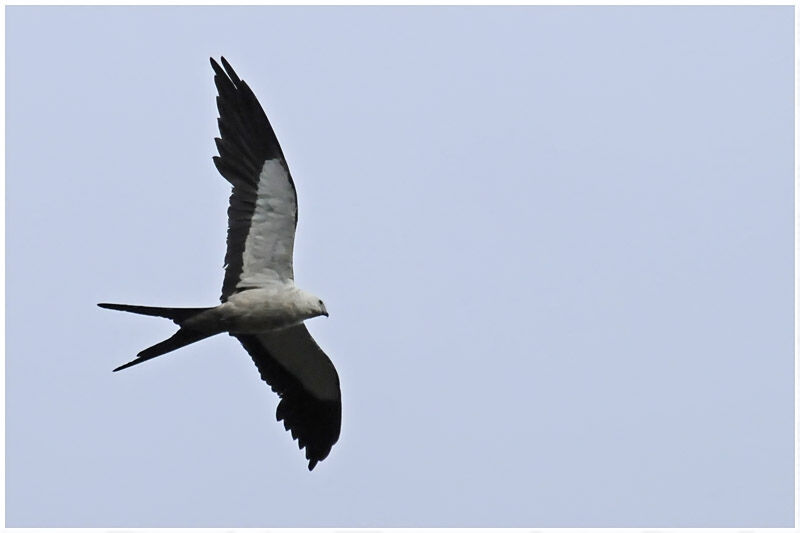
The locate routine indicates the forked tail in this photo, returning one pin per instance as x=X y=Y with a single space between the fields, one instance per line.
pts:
x=179 y=315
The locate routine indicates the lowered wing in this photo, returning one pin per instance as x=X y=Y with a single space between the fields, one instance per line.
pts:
x=305 y=379
x=262 y=214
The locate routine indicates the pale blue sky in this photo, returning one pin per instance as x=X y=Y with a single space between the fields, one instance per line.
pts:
x=555 y=243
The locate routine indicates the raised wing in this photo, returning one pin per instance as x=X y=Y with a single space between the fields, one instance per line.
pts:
x=305 y=379
x=262 y=214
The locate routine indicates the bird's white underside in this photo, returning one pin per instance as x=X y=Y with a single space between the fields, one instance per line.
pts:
x=268 y=312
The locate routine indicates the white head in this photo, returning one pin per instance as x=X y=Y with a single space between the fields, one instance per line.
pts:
x=310 y=305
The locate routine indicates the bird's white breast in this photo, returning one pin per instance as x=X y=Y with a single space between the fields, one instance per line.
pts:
x=261 y=310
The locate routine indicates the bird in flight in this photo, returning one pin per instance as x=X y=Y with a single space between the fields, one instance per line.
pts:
x=261 y=306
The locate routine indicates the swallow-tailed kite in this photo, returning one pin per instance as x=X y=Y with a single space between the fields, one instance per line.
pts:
x=261 y=306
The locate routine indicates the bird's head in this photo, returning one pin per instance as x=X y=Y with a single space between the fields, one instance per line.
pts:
x=312 y=305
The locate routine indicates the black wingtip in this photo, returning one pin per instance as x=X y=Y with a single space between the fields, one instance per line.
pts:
x=231 y=73
x=228 y=72
x=217 y=69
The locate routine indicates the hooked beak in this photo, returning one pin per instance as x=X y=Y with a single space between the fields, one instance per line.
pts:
x=324 y=311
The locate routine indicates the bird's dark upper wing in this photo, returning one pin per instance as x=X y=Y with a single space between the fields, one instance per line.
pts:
x=290 y=361
x=262 y=214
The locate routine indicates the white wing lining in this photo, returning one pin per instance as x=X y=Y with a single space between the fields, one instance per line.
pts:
x=269 y=246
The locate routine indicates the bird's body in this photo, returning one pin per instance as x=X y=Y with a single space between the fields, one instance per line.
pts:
x=261 y=306
x=268 y=308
